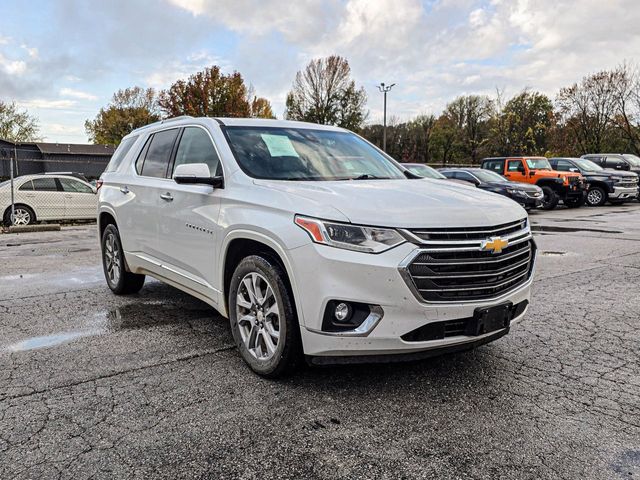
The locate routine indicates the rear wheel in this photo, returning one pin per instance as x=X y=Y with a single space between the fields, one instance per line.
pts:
x=22 y=215
x=596 y=197
x=263 y=319
x=550 y=199
x=119 y=280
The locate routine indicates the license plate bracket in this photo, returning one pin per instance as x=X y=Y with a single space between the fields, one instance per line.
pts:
x=490 y=319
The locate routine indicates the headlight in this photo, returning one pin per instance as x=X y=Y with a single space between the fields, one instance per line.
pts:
x=350 y=237
x=515 y=191
x=617 y=179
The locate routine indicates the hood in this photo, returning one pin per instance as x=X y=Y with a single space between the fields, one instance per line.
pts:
x=556 y=174
x=403 y=203
x=612 y=171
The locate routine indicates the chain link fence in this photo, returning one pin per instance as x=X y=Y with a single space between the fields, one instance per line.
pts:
x=36 y=187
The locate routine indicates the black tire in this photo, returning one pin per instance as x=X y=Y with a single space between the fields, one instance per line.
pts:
x=24 y=211
x=258 y=324
x=124 y=282
x=596 y=197
x=550 y=200
x=574 y=202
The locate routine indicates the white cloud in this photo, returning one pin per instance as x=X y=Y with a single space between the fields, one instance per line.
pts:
x=174 y=69
x=47 y=104
x=31 y=51
x=69 y=92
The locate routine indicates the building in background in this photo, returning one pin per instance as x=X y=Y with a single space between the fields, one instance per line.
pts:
x=36 y=157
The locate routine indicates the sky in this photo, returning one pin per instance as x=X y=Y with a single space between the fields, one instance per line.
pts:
x=63 y=59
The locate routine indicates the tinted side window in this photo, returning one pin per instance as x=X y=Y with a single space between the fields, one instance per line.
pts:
x=28 y=185
x=120 y=153
x=564 y=166
x=158 y=154
x=614 y=162
x=513 y=166
x=74 y=186
x=45 y=185
x=465 y=176
x=495 y=165
x=196 y=147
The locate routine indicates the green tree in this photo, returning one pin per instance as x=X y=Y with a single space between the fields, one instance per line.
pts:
x=523 y=125
x=17 y=125
x=211 y=93
x=129 y=109
x=325 y=93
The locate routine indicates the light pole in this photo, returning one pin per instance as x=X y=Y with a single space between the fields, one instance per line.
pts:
x=384 y=89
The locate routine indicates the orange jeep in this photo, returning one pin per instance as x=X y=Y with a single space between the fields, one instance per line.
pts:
x=569 y=187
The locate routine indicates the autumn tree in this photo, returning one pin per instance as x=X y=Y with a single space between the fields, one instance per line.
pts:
x=325 y=93
x=469 y=117
x=211 y=93
x=522 y=125
x=129 y=109
x=16 y=125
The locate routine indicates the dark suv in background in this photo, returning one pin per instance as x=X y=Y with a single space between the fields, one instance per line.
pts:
x=615 y=161
x=616 y=186
x=529 y=196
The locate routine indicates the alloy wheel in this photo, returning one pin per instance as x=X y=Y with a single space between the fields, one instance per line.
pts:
x=21 y=216
x=258 y=316
x=594 y=197
x=112 y=258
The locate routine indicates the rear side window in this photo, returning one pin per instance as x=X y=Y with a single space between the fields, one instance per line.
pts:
x=615 y=162
x=74 y=186
x=564 y=166
x=120 y=153
x=495 y=165
x=45 y=185
x=196 y=147
x=158 y=153
x=28 y=185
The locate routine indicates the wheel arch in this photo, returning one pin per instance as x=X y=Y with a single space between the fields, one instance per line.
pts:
x=7 y=211
x=105 y=217
x=546 y=182
x=241 y=244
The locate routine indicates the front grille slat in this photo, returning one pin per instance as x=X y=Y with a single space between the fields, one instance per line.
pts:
x=454 y=272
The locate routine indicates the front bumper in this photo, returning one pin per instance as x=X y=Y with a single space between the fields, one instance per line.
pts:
x=325 y=273
x=624 y=193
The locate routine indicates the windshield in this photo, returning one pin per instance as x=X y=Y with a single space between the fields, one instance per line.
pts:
x=632 y=159
x=303 y=154
x=424 y=171
x=489 y=176
x=588 y=165
x=538 y=164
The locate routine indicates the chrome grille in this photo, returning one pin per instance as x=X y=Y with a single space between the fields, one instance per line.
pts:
x=464 y=233
x=456 y=270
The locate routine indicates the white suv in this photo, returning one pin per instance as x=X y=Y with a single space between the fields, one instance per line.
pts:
x=312 y=241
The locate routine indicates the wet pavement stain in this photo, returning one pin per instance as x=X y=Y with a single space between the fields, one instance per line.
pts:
x=628 y=464
x=150 y=314
x=46 y=341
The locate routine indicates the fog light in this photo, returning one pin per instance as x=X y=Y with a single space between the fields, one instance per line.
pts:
x=342 y=312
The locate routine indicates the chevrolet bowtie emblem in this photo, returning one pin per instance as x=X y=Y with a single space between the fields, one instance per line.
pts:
x=494 y=245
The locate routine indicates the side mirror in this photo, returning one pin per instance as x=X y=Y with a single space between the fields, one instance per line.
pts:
x=196 y=173
x=532 y=173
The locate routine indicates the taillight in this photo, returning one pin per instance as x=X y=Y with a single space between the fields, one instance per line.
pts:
x=98 y=184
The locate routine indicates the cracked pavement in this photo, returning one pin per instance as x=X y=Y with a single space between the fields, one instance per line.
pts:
x=149 y=386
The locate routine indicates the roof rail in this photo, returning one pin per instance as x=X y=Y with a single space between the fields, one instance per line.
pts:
x=162 y=122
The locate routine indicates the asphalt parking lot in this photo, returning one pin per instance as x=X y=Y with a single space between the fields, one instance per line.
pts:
x=149 y=386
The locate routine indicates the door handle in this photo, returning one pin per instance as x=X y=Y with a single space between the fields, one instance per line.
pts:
x=167 y=196
x=124 y=189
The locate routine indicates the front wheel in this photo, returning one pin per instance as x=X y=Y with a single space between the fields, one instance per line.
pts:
x=119 y=280
x=22 y=215
x=596 y=197
x=263 y=319
x=550 y=199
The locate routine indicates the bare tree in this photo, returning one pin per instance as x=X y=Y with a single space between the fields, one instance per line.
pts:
x=325 y=93
x=588 y=109
x=627 y=115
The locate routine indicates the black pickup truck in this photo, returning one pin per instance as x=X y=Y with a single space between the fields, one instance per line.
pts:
x=616 y=186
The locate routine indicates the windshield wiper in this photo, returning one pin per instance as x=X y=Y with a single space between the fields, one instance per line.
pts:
x=368 y=176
